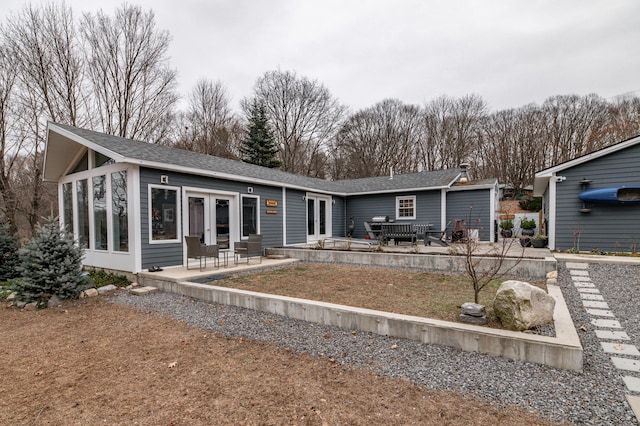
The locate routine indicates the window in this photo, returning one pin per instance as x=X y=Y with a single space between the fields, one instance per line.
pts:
x=406 y=207
x=82 y=164
x=82 y=189
x=99 y=212
x=67 y=206
x=164 y=213
x=102 y=160
x=249 y=216
x=120 y=215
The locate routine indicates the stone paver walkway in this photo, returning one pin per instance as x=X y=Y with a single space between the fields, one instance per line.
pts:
x=625 y=357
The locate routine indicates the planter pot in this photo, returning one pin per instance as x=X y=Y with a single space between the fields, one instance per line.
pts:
x=528 y=232
x=506 y=233
x=539 y=242
x=525 y=242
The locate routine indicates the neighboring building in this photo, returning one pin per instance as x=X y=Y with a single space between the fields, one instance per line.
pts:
x=597 y=226
x=130 y=203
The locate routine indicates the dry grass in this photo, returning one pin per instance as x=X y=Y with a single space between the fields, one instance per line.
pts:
x=423 y=294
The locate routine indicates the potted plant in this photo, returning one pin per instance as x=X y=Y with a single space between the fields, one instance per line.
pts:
x=507 y=228
x=539 y=241
x=528 y=226
x=525 y=241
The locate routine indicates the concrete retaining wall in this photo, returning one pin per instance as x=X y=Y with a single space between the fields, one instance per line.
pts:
x=563 y=351
x=525 y=268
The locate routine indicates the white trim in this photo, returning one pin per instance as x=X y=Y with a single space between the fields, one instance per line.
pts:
x=493 y=203
x=135 y=217
x=472 y=187
x=415 y=207
x=177 y=216
x=87 y=143
x=551 y=229
x=443 y=209
x=284 y=216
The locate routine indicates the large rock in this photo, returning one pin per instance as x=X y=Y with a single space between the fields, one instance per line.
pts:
x=521 y=306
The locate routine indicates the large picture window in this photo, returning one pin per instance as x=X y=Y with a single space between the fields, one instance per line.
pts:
x=99 y=212
x=249 y=216
x=67 y=206
x=82 y=189
x=406 y=207
x=119 y=211
x=164 y=213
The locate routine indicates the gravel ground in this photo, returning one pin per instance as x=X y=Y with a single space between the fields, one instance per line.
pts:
x=594 y=397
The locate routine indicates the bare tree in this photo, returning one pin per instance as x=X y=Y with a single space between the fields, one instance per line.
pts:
x=132 y=83
x=304 y=116
x=10 y=144
x=511 y=146
x=451 y=130
x=378 y=140
x=209 y=125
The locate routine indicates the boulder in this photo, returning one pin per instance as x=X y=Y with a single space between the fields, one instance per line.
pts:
x=107 y=288
x=90 y=292
x=53 y=301
x=522 y=306
x=473 y=309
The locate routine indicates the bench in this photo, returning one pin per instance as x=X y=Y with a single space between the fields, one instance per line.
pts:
x=398 y=232
x=430 y=235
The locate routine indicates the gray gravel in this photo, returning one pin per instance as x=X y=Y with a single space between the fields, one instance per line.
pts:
x=594 y=397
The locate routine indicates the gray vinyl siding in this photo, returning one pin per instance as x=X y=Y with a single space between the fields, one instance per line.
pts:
x=363 y=207
x=296 y=217
x=339 y=219
x=171 y=254
x=608 y=227
x=471 y=206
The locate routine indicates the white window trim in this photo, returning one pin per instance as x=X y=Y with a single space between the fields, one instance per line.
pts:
x=405 y=197
x=257 y=197
x=177 y=214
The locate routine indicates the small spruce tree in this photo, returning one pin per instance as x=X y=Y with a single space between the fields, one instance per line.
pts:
x=51 y=265
x=259 y=147
x=9 y=259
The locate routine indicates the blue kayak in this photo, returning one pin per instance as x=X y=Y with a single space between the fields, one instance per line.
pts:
x=615 y=194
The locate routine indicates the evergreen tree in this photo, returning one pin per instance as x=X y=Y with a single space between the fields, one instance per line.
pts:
x=259 y=146
x=51 y=265
x=9 y=259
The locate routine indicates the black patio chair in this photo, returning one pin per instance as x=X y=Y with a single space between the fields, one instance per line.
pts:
x=250 y=248
x=197 y=250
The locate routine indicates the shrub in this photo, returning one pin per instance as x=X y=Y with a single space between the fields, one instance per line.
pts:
x=528 y=224
x=51 y=264
x=102 y=278
x=9 y=259
x=532 y=204
x=506 y=224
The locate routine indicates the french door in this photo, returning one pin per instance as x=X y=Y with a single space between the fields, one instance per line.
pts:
x=212 y=218
x=318 y=217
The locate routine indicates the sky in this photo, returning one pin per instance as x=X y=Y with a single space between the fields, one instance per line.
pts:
x=510 y=52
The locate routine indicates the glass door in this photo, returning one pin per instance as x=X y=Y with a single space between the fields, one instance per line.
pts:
x=318 y=217
x=210 y=218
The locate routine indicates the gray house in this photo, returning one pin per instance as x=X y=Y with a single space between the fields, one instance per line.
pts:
x=130 y=203
x=584 y=204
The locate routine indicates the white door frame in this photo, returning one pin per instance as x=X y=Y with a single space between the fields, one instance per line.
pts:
x=209 y=217
x=315 y=216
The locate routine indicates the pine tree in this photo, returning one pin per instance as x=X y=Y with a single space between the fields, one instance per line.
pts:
x=259 y=146
x=9 y=259
x=51 y=265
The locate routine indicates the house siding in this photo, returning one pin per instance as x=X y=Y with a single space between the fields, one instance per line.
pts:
x=170 y=254
x=296 y=217
x=363 y=207
x=339 y=220
x=608 y=227
x=471 y=206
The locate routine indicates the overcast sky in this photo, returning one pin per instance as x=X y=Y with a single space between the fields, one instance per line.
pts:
x=510 y=52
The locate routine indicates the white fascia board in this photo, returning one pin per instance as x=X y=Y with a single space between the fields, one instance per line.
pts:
x=396 y=190
x=588 y=157
x=471 y=187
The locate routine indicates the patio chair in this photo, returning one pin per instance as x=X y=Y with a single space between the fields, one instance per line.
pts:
x=197 y=250
x=250 y=248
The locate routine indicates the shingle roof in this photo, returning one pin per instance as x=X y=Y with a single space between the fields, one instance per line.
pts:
x=158 y=156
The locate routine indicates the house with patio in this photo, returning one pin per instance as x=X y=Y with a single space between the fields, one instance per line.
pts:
x=131 y=203
x=592 y=203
